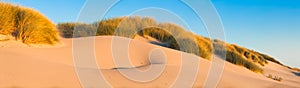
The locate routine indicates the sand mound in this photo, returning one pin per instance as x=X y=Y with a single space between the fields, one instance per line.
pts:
x=10 y=42
x=54 y=67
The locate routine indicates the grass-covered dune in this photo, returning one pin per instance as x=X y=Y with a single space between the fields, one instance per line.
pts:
x=26 y=25
x=172 y=35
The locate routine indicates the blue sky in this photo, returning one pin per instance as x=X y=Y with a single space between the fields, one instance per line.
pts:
x=268 y=26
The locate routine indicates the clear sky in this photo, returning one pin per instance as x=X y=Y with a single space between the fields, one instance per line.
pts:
x=267 y=26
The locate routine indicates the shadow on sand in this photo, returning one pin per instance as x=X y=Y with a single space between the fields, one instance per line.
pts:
x=296 y=73
x=159 y=44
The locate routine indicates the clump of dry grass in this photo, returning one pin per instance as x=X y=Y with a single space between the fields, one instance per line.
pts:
x=26 y=25
x=277 y=78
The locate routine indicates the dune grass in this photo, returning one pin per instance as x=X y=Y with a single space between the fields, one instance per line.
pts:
x=26 y=25
x=296 y=69
x=175 y=37
x=67 y=30
x=276 y=78
x=234 y=56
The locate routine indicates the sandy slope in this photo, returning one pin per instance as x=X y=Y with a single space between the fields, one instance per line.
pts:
x=54 y=67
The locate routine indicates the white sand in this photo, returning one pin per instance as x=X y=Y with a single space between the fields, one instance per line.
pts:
x=54 y=67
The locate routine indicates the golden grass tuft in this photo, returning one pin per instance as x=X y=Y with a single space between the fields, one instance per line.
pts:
x=26 y=25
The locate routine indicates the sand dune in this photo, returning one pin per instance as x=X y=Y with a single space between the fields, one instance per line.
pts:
x=28 y=67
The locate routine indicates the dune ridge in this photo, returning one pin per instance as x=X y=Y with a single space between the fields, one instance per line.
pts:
x=27 y=67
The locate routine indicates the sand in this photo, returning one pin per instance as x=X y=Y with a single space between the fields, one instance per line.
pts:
x=32 y=67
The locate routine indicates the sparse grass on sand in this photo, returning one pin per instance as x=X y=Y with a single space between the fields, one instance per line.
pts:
x=277 y=78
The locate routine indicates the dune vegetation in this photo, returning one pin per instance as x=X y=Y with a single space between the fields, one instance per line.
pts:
x=26 y=25
x=277 y=78
x=172 y=35
x=31 y=27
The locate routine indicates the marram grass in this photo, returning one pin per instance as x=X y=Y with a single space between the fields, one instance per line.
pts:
x=26 y=25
